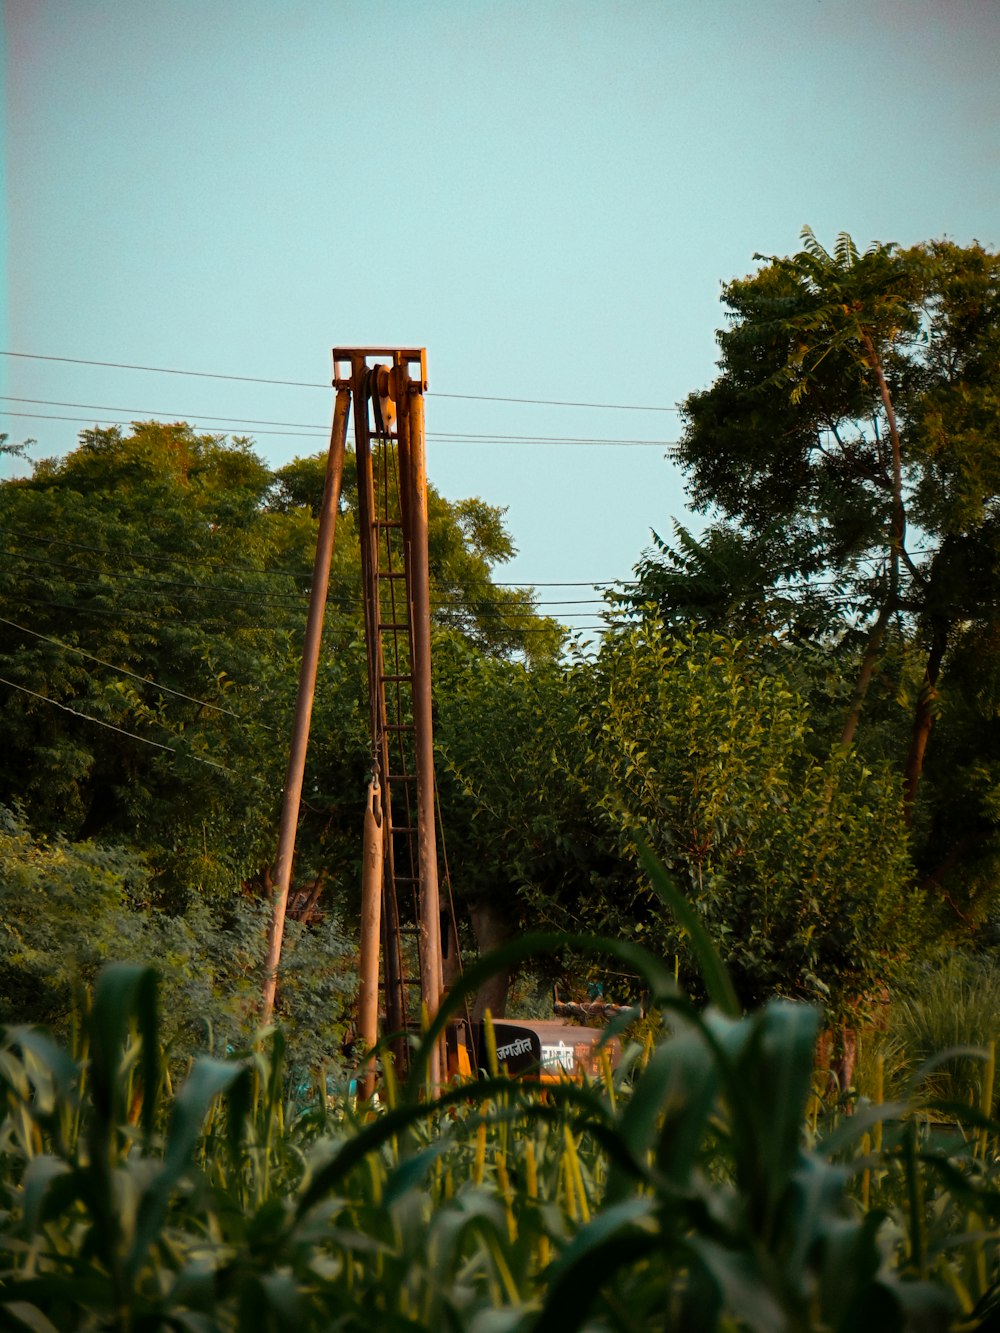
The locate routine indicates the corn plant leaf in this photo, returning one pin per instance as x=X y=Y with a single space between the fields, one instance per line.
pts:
x=412 y=1170
x=471 y=1210
x=981 y=1199
x=744 y=1288
x=23 y=1314
x=37 y=1203
x=853 y=1128
x=850 y=1265
x=671 y=1102
x=42 y=1053
x=208 y=1079
x=615 y=1239
x=124 y=993
x=718 y=982
x=774 y=1079
x=268 y=1302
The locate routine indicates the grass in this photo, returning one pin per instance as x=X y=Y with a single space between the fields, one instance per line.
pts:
x=939 y=1031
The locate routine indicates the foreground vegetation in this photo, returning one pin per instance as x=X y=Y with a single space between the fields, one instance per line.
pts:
x=701 y=1186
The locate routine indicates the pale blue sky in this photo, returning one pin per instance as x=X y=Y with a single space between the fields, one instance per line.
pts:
x=545 y=195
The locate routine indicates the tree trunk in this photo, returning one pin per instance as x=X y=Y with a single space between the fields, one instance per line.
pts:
x=491 y=929
x=897 y=538
x=923 y=719
x=868 y=663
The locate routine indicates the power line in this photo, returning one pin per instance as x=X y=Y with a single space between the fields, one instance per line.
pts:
x=155 y=412
x=290 y=573
x=557 y=402
x=111 y=727
x=439 y=437
x=303 y=384
x=120 y=612
x=164 y=370
x=84 y=421
x=478 y=606
x=134 y=413
x=165 y=689
x=614 y=587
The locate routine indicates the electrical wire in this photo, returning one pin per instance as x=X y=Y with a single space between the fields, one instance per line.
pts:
x=303 y=384
x=111 y=727
x=438 y=437
x=475 y=607
x=515 y=630
x=559 y=402
x=124 y=671
x=89 y=421
x=290 y=573
x=135 y=413
x=163 y=370
x=478 y=606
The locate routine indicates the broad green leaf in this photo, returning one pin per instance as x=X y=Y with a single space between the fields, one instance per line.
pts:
x=714 y=974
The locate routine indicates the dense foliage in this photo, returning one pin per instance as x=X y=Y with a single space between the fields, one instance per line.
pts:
x=153 y=593
x=848 y=455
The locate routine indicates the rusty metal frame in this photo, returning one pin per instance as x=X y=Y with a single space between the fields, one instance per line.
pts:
x=282 y=870
x=399 y=374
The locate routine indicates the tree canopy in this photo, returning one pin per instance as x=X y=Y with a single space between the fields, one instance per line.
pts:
x=153 y=595
x=848 y=454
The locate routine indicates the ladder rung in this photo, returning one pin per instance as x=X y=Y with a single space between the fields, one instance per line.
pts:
x=403 y=828
x=393 y=624
x=391 y=574
x=385 y=679
x=387 y=523
x=400 y=726
x=401 y=777
x=406 y=879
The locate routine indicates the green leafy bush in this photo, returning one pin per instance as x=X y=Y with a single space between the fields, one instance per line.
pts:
x=66 y=908
x=797 y=865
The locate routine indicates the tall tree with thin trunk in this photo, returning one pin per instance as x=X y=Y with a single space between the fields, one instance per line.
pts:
x=851 y=441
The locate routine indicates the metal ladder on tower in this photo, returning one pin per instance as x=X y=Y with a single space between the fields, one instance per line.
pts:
x=385 y=387
x=392 y=524
x=384 y=505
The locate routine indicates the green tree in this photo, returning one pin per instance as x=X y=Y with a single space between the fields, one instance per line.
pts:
x=467 y=540
x=153 y=594
x=524 y=848
x=727 y=581
x=856 y=414
x=797 y=859
x=148 y=635
x=798 y=865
